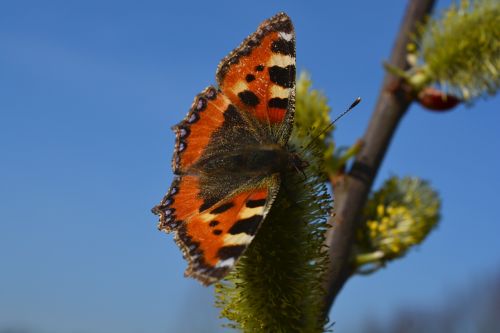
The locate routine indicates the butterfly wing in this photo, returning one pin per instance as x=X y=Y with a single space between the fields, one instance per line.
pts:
x=213 y=208
x=214 y=215
x=259 y=76
x=194 y=132
x=212 y=240
x=212 y=127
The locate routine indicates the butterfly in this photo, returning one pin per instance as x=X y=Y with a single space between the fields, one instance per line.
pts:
x=231 y=152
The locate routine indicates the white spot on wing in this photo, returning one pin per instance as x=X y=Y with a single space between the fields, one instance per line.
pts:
x=281 y=60
x=207 y=217
x=225 y=263
x=280 y=92
x=285 y=36
x=249 y=212
x=239 y=87
x=239 y=239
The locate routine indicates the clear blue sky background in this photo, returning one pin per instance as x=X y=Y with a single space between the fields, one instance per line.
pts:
x=88 y=92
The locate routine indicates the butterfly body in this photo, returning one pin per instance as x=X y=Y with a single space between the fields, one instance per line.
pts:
x=231 y=152
x=259 y=160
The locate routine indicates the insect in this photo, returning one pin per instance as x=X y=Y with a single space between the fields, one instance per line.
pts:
x=231 y=152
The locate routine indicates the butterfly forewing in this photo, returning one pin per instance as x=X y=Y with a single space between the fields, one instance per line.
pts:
x=194 y=132
x=259 y=75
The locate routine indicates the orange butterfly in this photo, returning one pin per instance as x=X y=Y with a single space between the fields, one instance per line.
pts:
x=231 y=150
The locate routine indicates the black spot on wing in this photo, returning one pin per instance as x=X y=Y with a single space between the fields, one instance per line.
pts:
x=207 y=203
x=282 y=46
x=259 y=68
x=249 y=98
x=276 y=102
x=255 y=203
x=232 y=251
x=248 y=225
x=222 y=208
x=213 y=223
x=250 y=77
x=283 y=76
x=283 y=24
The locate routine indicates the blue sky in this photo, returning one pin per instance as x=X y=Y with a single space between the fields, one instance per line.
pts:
x=88 y=92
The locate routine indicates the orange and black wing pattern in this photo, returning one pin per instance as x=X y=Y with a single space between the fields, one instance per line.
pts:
x=212 y=240
x=194 y=132
x=229 y=151
x=259 y=75
x=214 y=214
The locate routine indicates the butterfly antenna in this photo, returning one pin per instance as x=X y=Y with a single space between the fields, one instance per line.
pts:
x=327 y=128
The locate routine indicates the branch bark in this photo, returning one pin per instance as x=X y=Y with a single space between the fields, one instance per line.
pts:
x=351 y=191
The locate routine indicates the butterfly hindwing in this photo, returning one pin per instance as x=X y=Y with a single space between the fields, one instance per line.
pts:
x=259 y=76
x=180 y=203
x=212 y=240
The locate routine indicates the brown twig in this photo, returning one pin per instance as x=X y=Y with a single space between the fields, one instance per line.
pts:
x=352 y=191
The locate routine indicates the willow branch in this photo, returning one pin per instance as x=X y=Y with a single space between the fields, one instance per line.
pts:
x=351 y=190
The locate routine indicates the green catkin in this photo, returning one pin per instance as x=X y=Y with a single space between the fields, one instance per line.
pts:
x=460 y=51
x=397 y=217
